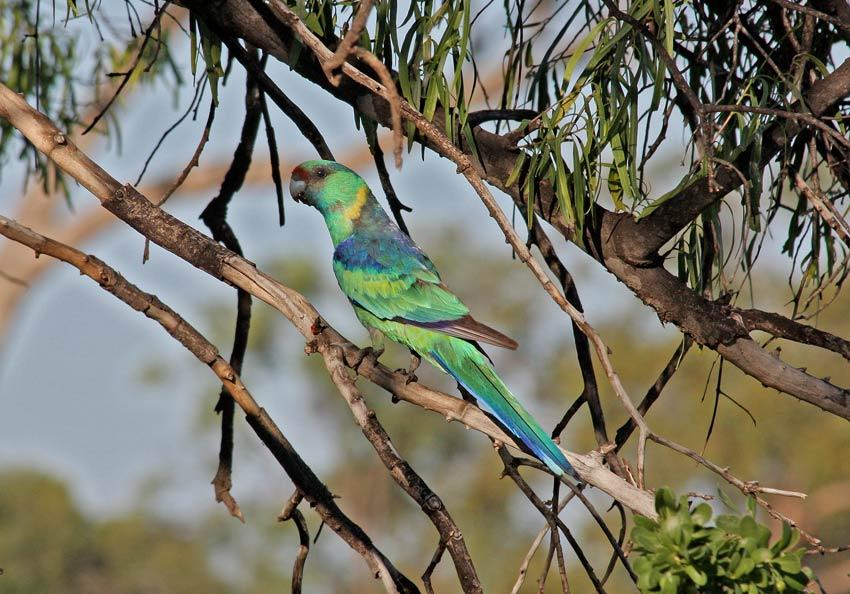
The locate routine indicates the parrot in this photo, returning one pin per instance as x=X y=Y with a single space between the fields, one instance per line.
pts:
x=397 y=293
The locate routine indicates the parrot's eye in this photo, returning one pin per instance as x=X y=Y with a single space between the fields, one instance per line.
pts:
x=320 y=172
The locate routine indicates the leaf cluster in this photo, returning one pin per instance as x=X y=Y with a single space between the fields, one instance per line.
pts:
x=45 y=56
x=682 y=553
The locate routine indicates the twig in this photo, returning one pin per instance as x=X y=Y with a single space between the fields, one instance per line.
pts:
x=618 y=550
x=626 y=429
x=306 y=481
x=290 y=511
x=126 y=75
x=476 y=118
x=274 y=160
x=555 y=539
x=393 y=98
x=396 y=206
x=346 y=47
x=196 y=156
x=432 y=565
x=577 y=491
x=13 y=279
x=193 y=162
x=535 y=544
x=547 y=565
x=702 y=137
x=215 y=218
x=303 y=122
x=808 y=10
x=781 y=113
x=590 y=391
x=825 y=209
x=747 y=488
x=555 y=522
x=193 y=106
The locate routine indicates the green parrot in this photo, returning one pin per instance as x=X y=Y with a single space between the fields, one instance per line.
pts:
x=396 y=292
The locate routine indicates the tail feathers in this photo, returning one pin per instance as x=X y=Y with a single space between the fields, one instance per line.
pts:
x=472 y=370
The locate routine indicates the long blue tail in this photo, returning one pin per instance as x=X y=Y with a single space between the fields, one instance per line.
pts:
x=474 y=372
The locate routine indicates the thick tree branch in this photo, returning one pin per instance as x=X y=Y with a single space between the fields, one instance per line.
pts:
x=782 y=327
x=306 y=481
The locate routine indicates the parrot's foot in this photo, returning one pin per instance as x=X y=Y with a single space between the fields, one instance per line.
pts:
x=415 y=361
x=366 y=353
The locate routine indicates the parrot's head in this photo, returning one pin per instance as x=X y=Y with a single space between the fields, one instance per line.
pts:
x=327 y=186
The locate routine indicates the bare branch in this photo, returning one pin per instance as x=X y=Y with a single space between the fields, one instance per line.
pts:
x=148 y=34
x=554 y=522
x=396 y=206
x=825 y=209
x=304 y=124
x=625 y=431
x=432 y=565
x=400 y=470
x=196 y=156
x=391 y=95
x=215 y=218
x=290 y=511
x=782 y=113
x=782 y=327
x=347 y=45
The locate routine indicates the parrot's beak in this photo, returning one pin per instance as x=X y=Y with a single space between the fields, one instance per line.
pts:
x=296 y=188
x=298 y=184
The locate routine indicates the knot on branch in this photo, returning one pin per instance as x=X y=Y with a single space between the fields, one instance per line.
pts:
x=318 y=326
x=433 y=503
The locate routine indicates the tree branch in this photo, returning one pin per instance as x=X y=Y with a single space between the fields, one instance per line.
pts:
x=400 y=470
x=214 y=217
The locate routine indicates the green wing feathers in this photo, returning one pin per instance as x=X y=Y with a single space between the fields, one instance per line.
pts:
x=474 y=372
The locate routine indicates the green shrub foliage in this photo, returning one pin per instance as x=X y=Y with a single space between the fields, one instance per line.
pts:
x=683 y=553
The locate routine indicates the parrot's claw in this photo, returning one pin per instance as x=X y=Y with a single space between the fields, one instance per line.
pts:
x=409 y=376
x=366 y=353
x=415 y=361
